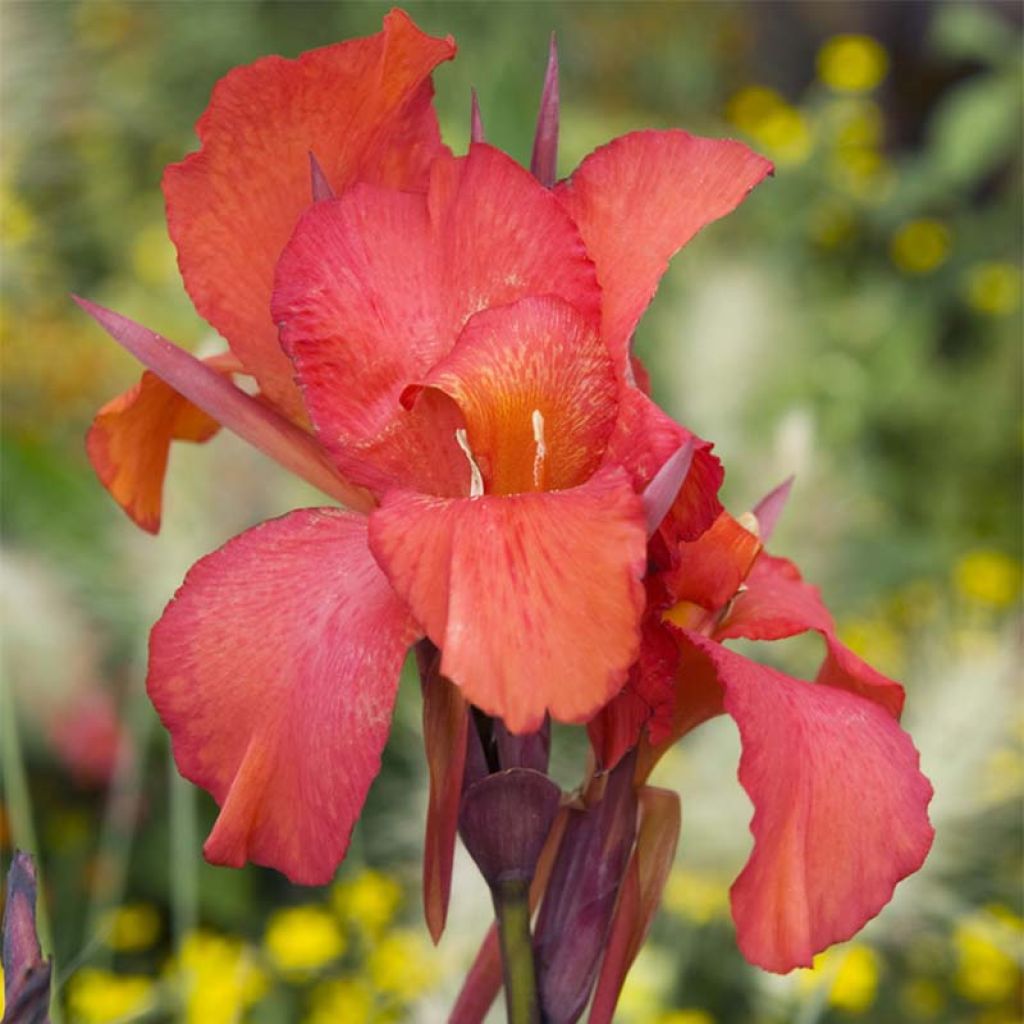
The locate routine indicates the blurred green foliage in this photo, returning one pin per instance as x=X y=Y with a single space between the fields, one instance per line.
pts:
x=858 y=320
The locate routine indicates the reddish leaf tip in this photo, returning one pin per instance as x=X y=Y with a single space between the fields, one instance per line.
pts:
x=476 y=121
x=544 y=162
x=320 y=186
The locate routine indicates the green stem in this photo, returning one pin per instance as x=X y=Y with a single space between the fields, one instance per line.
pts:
x=512 y=909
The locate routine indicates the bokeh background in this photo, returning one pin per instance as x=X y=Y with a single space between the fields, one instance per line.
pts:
x=857 y=322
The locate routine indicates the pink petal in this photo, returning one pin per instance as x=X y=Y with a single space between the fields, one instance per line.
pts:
x=776 y=603
x=535 y=357
x=275 y=669
x=534 y=599
x=643 y=440
x=376 y=286
x=840 y=809
x=363 y=106
x=640 y=199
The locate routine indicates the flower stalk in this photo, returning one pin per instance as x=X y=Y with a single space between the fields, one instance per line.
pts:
x=512 y=911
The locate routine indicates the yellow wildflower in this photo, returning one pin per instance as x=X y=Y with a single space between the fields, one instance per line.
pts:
x=852 y=63
x=686 y=1017
x=766 y=117
x=993 y=288
x=130 y=928
x=988 y=577
x=850 y=973
x=922 y=999
x=101 y=997
x=988 y=945
x=217 y=977
x=750 y=107
x=369 y=901
x=876 y=641
x=303 y=939
x=402 y=965
x=341 y=999
x=700 y=897
x=920 y=246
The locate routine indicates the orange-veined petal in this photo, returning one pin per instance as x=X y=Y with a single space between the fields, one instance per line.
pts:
x=130 y=440
x=840 y=809
x=275 y=669
x=640 y=199
x=376 y=285
x=534 y=599
x=538 y=392
x=362 y=107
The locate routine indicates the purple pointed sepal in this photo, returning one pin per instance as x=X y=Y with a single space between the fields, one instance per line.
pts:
x=26 y=973
x=576 y=914
x=505 y=821
x=544 y=162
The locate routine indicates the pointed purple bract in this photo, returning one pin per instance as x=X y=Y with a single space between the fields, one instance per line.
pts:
x=662 y=490
x=321 y=187
x=253 y=421
x=26 y=973
x=476 y=121
x=576 y=914
x=544 y=162
x=769 y=509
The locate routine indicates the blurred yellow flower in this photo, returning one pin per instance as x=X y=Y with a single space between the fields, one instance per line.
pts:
x=341 y=999
x=852 y=63
x=153 y=258
x=779 y=128
x=368 y=901
x=699 y=897
x=402 y=965
x=922 y=999
x=988 y=577
x=851 y=974
x=860 y=123
x=920 y=246
x=876 y=641
x=217 y=978
x=751 y=106
x=3 y=1004
x=686 y=1017
x=993 y=288
x=303 y=939
x=101 y=997
x=131 y=927
x=17 y=223
x=987 y=970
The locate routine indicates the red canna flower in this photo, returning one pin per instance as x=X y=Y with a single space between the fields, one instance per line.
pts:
x=840 y=806
x=453 y=365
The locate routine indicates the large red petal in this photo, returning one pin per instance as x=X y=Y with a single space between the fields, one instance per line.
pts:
x=776 y=603
x=840 y=809
x=361 y=107
x=130 y=439
x=275 y=669
x=640 y=199
x=376 y=286
x=535 y=599
x=643 y=439
x=538 y=392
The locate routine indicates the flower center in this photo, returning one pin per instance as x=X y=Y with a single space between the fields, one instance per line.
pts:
x=540 y=449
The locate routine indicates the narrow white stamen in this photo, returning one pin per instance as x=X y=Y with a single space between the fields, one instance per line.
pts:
x=538 y=439
x=476 y=479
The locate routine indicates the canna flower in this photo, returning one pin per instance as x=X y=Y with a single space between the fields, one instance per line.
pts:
x=840 y=806
x=442 y=344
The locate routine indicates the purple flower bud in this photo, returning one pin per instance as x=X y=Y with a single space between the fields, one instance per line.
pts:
x=505 y=820
x=26 y=973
